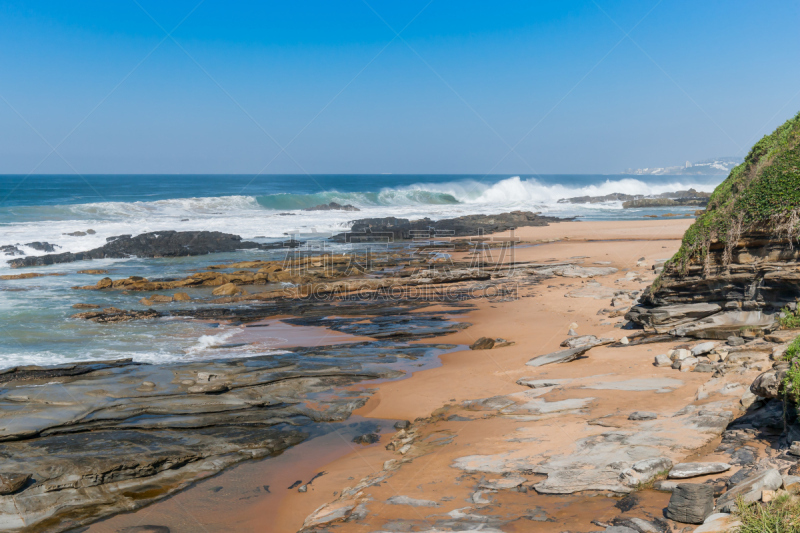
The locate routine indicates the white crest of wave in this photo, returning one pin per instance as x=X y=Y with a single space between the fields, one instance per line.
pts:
x=516 y=191
x=175 y=207
x=210 y=341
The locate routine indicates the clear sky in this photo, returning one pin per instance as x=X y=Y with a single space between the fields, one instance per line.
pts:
x=467 y=86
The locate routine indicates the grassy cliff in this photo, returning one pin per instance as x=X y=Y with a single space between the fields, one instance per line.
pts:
x=760 y=195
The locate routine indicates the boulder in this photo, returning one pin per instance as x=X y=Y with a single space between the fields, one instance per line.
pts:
x=750 y=489
x=229 y=289
x=662 y=360
x=11 y=482
x=689 y=364
x=484 y=343
x=704 y=348
x=791 y=484
x=769 y=384
x=180 y=297
x=644 y=471
x=687 y=470
x=690 y=503
x=367 y=438
x=679 y=354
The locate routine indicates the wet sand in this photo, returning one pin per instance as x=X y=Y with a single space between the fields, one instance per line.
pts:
x=536 y=322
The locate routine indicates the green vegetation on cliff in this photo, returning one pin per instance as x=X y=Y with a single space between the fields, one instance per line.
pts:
x=762 y=194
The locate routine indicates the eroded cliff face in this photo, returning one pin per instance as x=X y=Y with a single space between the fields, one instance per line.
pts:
x=763 y=273
x=739 y=263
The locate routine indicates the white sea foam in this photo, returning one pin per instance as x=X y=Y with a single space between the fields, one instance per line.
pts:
x=252 y=217
x=207 y=342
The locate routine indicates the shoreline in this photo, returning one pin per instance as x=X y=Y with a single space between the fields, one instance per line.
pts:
x=492 y=440
x=431 y=389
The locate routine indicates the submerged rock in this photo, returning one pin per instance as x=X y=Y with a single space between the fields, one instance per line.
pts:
x=332 y=206
x=154 y=244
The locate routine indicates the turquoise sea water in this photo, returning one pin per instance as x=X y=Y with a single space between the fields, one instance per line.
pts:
x=35 y=327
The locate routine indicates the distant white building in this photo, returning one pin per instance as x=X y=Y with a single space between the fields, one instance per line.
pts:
x=688 y=165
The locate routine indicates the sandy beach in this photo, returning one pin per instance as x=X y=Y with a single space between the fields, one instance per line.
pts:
x=592 y=395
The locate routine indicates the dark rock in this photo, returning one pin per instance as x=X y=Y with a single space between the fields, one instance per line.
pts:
x=400 y=229
x=155 y=244
x=627 y=503
x=10 y=249
x=665 y=202
x=333 y=206
x=484 y=343
x=112 y=314
x=367 y=438
x=769 y=384
x=11 y=482
x=402 y=424
x=43 y=246
x=690 y=503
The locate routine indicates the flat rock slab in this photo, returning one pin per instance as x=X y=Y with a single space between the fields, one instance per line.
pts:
x=541 y=383
x=618 y=460
x=642 y=415
x=592 y=290
x=413 y=502
x=564 y=356
x=719 y=523
x=687 y=470
x=639 y=384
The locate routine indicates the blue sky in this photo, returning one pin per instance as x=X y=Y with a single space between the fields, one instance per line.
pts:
x=467 y=87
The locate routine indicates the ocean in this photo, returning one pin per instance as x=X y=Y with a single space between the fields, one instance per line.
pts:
x=35 y=327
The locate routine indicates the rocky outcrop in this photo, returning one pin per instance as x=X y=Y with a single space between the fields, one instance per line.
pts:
x=112 y=314
x=154 y=244
x=403 y=229
x=87 y=440
x=688 y=197
x=13 y=249
x=742 y=254
x=665 y=202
